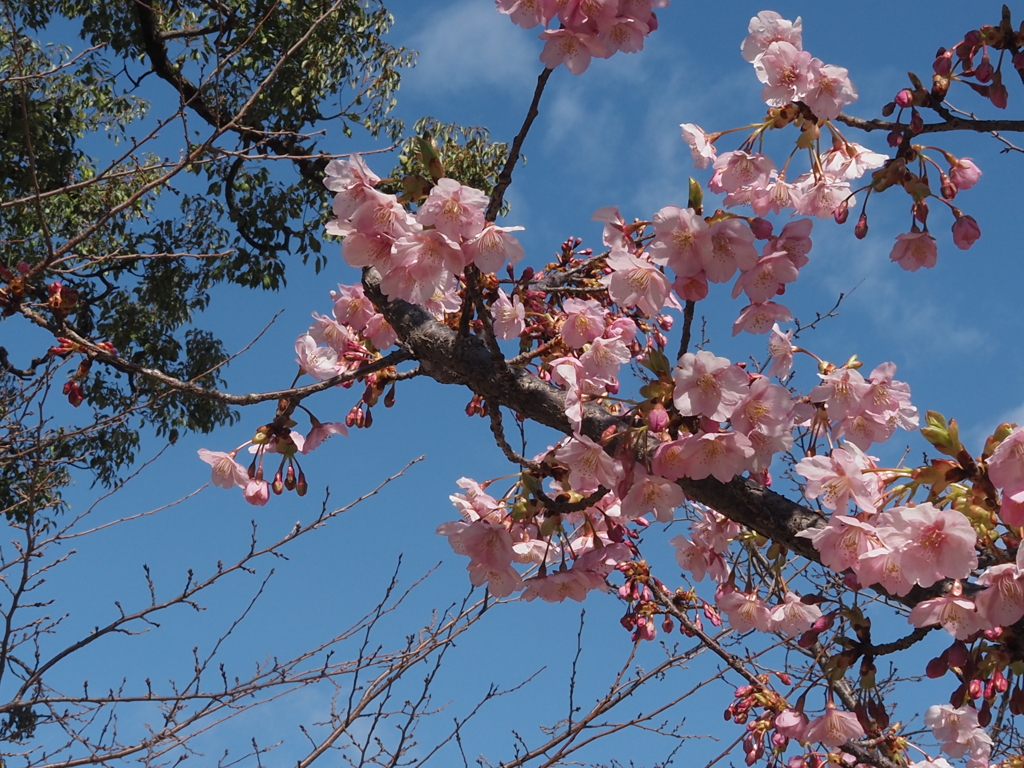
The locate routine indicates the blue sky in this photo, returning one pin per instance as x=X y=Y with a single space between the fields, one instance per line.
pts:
x=610 y=137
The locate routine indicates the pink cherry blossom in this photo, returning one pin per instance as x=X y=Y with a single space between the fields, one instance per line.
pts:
x=571 y=48
x=780 y=349
x=682 y=240
x=635 y=282
x=584 y=322
x=1006 y=464
x=767 y=278
x=626 y=35
x=670 y=458
x=692 y=288
x=934 y=543
x=786 y=71
x=746 y=611
x=840 y=478
x=476 y=503
x=793 y=616
x=509 y=316
x=320 y=362
x=965 y=232
x=834 y=728
x=380 y=333
x=257 y=492
x=883 y=566
x=349 y=180
x=352 y=307
x=616 y=234
x=774 y=196
x=651 y=493
x=528 y=13
x=381 y=214
x=320 y=432
x=489 y=249
x=829 y=90
x=603 y=358
x=1002 y=603
x=723 y=455
x=769 y=27
x=557 y=587
x=851 y=160
x=820 y=196
x=795 y=240
x=589 y=465
x=953 y=611
x=454 y=209
x=225 y=471
x=842 y=541
x=731 y=249
x=914 y=250
x=964 y=173
x=703 y=151
x=759 y=318
x=738 y=169
x=842 y=392
x=708 y=385
x=957 y=729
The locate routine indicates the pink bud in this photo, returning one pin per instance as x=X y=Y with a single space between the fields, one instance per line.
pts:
x=943 y=63
x=975 y=688
x=984 y=71
x=965 y=232
x=657 y=419
x=936 y=668
x=841 y=213
x=895 y=137
x=1018 y=60
x=762 y=228
x=861 y=230
x=997 y=93
x=956 y=654
x=905 y=97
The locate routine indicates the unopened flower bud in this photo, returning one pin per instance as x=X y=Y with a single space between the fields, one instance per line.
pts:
x=389 y=398
x=762 y=228
x=985 y=714
x=301 y=486
x=984 y=71
x=920 y=210
x=975 y=688
x=289 y=478
x=278 y=485
x=657 y=418
x=904 y=98
x=860 y=231
x=956 y=654
x=997 y=93
x=895 y=137
x=943 y=63
x=936 y=668
x=1018 y=60
x=888 y=109
x=916 y=122
x=842 y=212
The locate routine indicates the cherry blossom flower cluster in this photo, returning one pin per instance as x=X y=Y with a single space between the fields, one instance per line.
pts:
x=421 y=254
x=276 y=438
x=586 y=28
x=919 y=544
x=809 y=95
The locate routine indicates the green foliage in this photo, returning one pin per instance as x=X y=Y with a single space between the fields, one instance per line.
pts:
x=466 y=153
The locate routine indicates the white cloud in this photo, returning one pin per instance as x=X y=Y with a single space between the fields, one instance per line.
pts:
x=468 y=46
